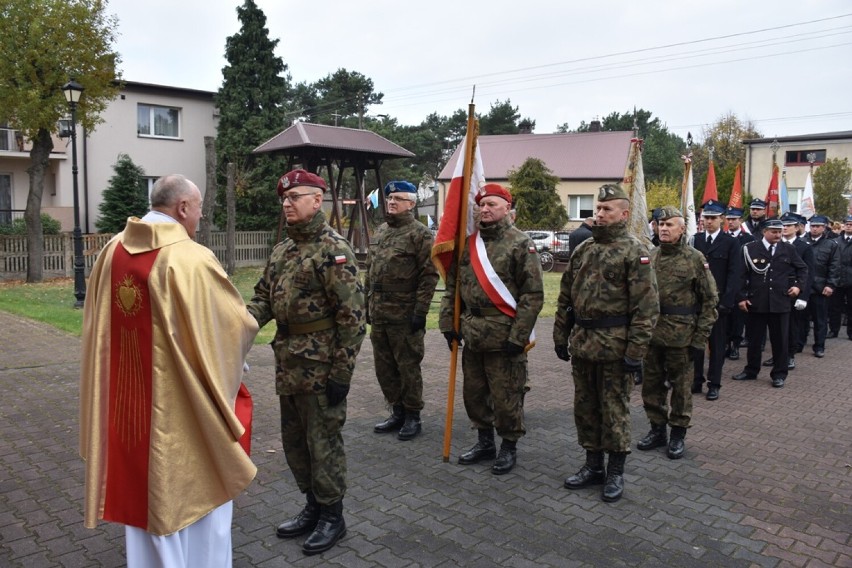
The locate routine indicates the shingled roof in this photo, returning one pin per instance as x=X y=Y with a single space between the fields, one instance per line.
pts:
x=575 y=155
x=319 y=136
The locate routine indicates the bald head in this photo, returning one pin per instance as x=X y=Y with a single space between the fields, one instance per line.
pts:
x=179 y=198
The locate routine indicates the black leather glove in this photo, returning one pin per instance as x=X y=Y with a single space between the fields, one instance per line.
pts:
x=335 y=392
x=512 y=349
x=562 y=352
x=632 y=365
x=450 y=336
x=417 y=323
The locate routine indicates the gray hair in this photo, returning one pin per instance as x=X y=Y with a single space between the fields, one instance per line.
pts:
x=169 y=190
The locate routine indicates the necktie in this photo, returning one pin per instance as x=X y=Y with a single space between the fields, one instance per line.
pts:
x=709 y=240
x=771 y=250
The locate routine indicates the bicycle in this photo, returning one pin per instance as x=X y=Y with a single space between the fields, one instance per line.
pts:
x=547 y=260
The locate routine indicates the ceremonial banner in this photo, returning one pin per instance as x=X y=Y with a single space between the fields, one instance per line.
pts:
x=710 y=187
x=687 y=198
x=772 y=194
x=634 y=184
x=783 y=195
x=736 y=199
x=807 y=207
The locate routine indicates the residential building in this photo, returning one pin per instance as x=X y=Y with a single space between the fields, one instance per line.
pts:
x=793 y=155
x=583 y=161
x=161 y=128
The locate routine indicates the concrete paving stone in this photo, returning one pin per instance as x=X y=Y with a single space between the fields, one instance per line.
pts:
x=786 y=556
x=828 y=556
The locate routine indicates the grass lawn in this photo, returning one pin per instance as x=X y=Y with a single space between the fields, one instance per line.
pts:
x=52 y=302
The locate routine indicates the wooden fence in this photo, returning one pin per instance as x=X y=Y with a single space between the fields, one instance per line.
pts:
x=252 y=249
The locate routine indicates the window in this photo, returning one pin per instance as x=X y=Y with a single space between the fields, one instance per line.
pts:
x=800 y=157
x=581 y=206
x=5 y=199
x=793 y=194
x=158 y=121
x=7 y=138
x=148 y=185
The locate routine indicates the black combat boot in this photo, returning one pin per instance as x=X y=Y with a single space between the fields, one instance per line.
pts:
x=653 y=439
x=592 y=472
x=676 y=444
x=302 y=523
x=330 y=528
x=614 y=486
x=483 y=450
x=411 y=427
x=506 y=458
x=393 y=422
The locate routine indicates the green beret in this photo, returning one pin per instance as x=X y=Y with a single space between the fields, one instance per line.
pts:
x=610 y=191
x=669 y=212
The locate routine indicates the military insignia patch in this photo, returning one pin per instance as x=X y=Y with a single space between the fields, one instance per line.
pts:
x=285 y=182
x=532 y=248
x=644 y=260
x=706 y=266
x=339 y=258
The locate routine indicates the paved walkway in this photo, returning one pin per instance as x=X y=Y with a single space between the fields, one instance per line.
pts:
x=765 y=480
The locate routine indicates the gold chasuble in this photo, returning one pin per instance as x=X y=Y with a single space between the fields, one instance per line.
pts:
x=165 y=335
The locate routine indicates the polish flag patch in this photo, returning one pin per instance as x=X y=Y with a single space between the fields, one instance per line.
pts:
x=644 y=260
x=532 y=248
x=706 y=266
x=339 y=258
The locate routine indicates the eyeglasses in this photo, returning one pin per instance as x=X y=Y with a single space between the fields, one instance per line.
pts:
x=392 y=198
x=293 y=197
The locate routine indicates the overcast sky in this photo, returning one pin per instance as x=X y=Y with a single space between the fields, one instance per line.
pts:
x=558 y=61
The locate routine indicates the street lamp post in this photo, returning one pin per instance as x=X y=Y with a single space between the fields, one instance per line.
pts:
x=73 y=90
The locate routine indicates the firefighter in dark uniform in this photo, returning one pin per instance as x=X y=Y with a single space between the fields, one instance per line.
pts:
x=823 y=282
x=841 y=300
x=736 y=319
x=773 y=274
x=756 y=216
x=722 y=252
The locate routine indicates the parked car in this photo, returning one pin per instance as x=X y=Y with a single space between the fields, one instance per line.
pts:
x=559 y=246
x=543 y=239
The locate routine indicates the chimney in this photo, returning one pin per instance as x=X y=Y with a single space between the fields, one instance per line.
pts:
x=595 y=125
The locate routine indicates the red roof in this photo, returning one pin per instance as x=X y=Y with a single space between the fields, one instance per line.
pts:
x=308 y=135
x=575 y=155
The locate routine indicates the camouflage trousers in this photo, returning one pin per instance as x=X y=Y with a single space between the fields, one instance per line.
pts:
x=397 y=353
x=602 y=405
x=493 y=391
x=667 y=368
x=313 y=445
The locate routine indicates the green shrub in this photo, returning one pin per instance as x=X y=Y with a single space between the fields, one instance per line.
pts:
x=49 y=226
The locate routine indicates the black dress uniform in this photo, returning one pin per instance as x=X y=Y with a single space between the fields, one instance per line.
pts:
x=754 y=225
x=826 y=274
x=766 y=277
x=841 y=300
x=737 y=318
x=799 y=318
x=723 y=254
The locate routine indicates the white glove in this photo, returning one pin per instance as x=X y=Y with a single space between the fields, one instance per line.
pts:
x=800 y=305
x=246 y=365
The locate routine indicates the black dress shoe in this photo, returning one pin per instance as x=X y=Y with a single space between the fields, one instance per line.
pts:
x=734 y=354
x=713 y=392
x=769 y=362
x=791 y=363
x=778 y=382
x=819 y=353
x=744 y=377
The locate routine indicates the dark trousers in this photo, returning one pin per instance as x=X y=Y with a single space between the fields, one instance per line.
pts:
x=799 y=328
x=818 y=309
x=779 y=332
x=736 y=326
x=840 y=303
x=717 y=342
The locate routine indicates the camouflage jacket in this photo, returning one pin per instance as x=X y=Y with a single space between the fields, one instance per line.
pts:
x=401 y=278
x=514 y=258
x=684 y=282
x=312 y=276
x=609 y=275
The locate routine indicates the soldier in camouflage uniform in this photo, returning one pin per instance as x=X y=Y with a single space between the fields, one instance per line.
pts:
x=401 y=280
x=311 y=288
x=494 y=359
x=688 y=299
x=607 y=307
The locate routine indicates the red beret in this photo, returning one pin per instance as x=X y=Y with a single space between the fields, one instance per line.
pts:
x=493 y=189
x=300 y=177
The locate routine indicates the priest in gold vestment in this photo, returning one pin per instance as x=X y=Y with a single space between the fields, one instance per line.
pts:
x=165 y=335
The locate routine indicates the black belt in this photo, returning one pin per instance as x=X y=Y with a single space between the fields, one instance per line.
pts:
x=482 y=311
x=679 y=310
x=382 y=287
x=598 y=323
x=303 y=328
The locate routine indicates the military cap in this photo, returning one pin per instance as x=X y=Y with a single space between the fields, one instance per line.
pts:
x=802 y=219
x=712 y=208
x=296 y=178
x=789 y=218
x=773 y=224
x=610 y=191
x=655 y=214
x=493 y=189
x=734 y=212
x=757 y=204
x=848 y=219
x=669 y=212
x=400 y=187
x=818 y=220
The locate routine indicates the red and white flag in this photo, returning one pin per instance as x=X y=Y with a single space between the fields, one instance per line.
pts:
x=451 y=223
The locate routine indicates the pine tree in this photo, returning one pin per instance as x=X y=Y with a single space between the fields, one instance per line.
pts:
x=534 y=196
x=126 y=196
x=252 y=105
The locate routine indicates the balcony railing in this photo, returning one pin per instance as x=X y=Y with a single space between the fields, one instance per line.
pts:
x=11 y=140
x=9 y=215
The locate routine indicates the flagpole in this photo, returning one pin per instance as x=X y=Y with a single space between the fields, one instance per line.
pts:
x=461 y=238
